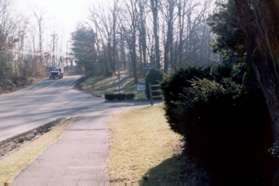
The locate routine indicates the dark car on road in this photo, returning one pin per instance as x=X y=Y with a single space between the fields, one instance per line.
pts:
x=56 y=74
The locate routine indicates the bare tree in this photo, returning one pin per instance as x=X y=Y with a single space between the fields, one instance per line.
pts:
x=14 y=67
x=115 y=13
x=142 y=33
x=169 y=48
x=54 y=39
x=154 y=4
x=39 y=17
x=182 y=4
x=22 y=34
x=103 y=34
x=8 y=40
x=132 y=40
x=107 y=26
x=130 y=35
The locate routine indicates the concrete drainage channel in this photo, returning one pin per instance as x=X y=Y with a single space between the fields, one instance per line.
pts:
x=13 y=143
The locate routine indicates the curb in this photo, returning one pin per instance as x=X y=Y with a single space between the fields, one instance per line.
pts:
x=14 y=142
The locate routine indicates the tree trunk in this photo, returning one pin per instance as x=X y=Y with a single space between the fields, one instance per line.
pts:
x=114 y=39
x=155 y=13
x=169 y=42
x=181 y=24
x=122 y=52
x=133 y=40
x=134 y=56
x=261 y=26
x=142 y=35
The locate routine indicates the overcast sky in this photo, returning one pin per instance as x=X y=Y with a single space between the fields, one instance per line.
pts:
x=62 y=16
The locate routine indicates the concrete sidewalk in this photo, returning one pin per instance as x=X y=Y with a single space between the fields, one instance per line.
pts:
x=78 y=158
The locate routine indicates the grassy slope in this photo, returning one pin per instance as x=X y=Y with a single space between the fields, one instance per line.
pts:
x=101 y=85
x=143 y=147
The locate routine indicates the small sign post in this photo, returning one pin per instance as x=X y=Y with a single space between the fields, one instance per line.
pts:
x=140 y=87
x=155 y=93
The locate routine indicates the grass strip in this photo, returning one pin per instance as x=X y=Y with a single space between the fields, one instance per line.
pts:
x=141 y=140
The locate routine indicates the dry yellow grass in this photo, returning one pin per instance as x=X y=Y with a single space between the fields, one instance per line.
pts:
x=18 y=160
x=140 y=140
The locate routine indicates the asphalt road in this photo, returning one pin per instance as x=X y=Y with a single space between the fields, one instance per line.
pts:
x=44 y=102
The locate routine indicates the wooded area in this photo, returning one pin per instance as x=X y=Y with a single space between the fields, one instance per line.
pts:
x=136 y=35
x=25 y=54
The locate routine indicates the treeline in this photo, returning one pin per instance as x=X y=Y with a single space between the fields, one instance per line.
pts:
x=136 y=35
x=23 y=52
x=17 y=67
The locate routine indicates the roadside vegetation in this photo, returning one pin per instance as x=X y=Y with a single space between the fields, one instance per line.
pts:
x=122 y=37
x=225 y=113
x=15 y=71
x=225 y=124
x=101 y=85
x=141 y=139
x=221 y=85
x=25 y=55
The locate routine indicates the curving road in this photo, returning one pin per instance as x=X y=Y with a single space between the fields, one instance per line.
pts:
x=44 y=102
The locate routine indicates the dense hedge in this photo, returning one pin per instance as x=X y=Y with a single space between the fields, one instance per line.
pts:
x=119 y=97
x=226 y=127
